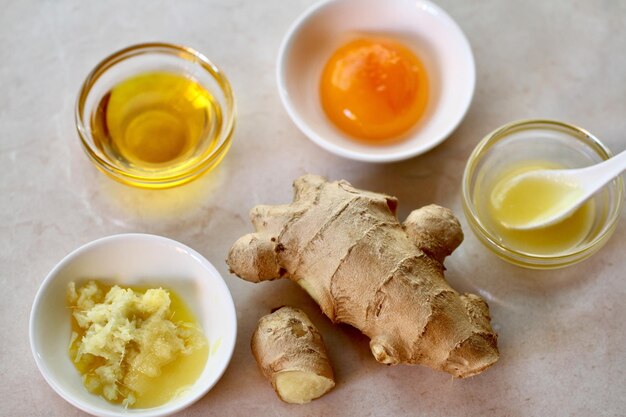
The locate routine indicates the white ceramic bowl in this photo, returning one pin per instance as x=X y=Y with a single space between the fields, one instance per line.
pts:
x=131 y=260
x=419 y=24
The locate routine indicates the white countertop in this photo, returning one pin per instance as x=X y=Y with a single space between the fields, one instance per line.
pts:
x=562 y=334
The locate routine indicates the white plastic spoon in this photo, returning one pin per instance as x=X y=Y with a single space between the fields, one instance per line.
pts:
x=563 y=191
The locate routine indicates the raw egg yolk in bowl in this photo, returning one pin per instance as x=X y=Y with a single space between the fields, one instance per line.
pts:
x=374 y=89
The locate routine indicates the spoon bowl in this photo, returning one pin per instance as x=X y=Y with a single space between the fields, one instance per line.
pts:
x=563 y=191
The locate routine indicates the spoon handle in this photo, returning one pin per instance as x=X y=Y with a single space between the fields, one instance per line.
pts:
x=601 y=174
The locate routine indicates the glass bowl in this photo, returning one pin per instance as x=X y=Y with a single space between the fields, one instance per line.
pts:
x=213 y=136
x=524 y=142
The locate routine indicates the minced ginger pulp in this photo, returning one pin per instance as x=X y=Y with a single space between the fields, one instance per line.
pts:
x=138 y=348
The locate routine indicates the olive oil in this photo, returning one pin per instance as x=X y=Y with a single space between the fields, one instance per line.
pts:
x=156 y=123
x=528 y=201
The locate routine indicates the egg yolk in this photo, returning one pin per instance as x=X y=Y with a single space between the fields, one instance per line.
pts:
x=374 y=89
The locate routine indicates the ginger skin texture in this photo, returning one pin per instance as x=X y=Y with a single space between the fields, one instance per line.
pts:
x=347 y=249
x=292 y=356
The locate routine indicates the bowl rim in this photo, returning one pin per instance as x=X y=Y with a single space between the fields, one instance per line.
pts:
x=311 y=134
x=174 y=405
x=524 y=259
x=184 y=53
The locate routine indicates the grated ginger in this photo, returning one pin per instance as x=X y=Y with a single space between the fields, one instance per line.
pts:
x=122 y=336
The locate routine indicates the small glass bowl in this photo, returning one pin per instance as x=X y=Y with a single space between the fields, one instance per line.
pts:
x=544 y=140
x=146 y=58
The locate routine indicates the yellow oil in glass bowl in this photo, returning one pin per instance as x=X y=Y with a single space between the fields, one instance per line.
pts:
x=155 y=115
x=157 y=121
x=529 y=145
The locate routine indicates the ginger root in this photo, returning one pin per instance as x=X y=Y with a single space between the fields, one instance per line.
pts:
x=347 y=249
x=292 y=356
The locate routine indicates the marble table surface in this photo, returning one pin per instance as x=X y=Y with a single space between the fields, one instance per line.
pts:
x=562 y=334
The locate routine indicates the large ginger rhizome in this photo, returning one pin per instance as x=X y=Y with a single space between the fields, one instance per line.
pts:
x=348 y=250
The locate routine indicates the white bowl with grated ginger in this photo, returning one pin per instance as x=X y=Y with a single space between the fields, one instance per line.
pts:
x=132 y=260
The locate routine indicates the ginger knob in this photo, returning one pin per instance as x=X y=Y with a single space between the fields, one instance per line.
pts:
x=291 y=354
